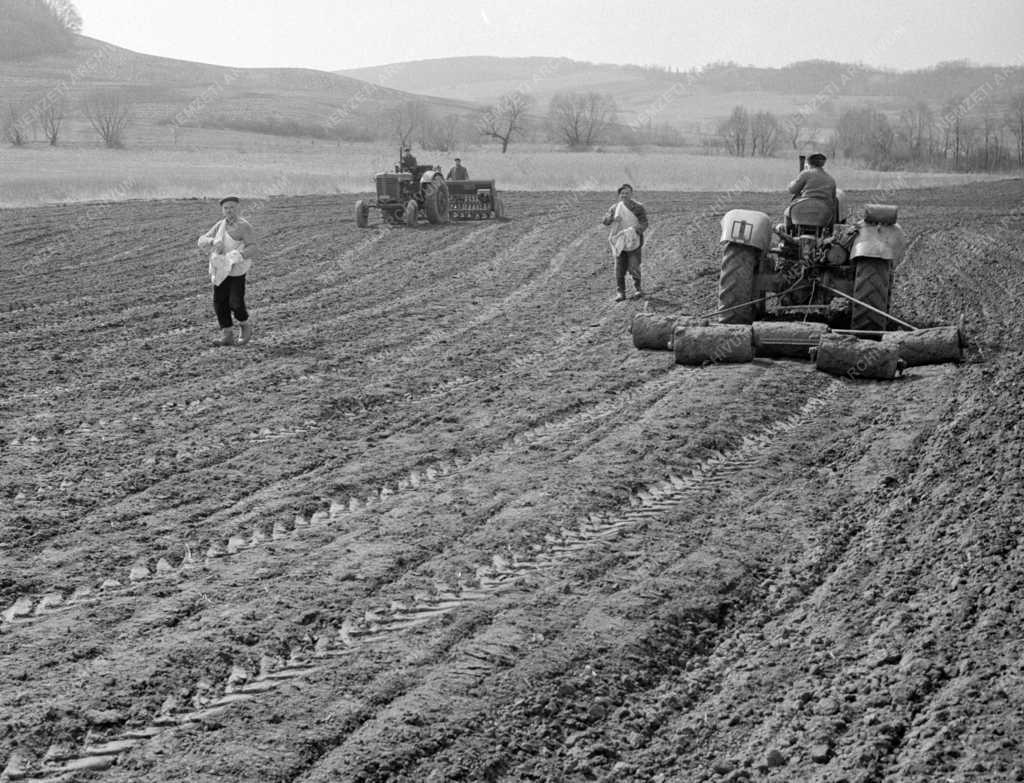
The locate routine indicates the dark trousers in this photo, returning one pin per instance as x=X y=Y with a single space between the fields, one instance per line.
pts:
x=627 y=262
x=228 y=298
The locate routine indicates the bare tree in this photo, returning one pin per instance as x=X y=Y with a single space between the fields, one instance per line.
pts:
x=581 y=119
x=17 y=125
x=1015 y=122
x=51 y=118
x=441 y=134
x=991 y=133
x=506 y=120
x=109 y=114
x=955 y=130
x=864 y=132
x=794 y=127
x=765 y=130
x=407 y=120
x=735 y=131
x=915 y=130
x=965 y=137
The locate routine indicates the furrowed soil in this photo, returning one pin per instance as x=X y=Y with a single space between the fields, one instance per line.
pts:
x=441 y=521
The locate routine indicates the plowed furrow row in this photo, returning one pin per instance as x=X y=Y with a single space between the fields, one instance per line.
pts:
x=286 y=330
x=333 y=277
x=178 y=563
x=347 y=636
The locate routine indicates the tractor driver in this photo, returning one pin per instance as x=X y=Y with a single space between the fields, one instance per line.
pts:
x=409 y=162
x=814 y=181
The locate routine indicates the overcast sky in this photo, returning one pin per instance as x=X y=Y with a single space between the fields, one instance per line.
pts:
x=337 y=34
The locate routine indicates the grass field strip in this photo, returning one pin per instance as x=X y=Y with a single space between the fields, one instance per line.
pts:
x=28 y=608
x=378 y=625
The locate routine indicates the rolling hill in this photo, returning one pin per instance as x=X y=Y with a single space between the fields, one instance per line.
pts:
x=165 y=91
x=690 y=99
x=207 y=106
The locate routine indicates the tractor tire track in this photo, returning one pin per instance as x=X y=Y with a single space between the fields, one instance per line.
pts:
x=347 y=637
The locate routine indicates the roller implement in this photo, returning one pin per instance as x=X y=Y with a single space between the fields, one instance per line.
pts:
x=816 y=285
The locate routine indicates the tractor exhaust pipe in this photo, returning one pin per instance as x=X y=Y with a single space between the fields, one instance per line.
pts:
x=803 y=160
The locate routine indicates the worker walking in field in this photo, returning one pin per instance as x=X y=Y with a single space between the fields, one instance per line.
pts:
x=628 y=221
x=232 y=245
x=458 y=171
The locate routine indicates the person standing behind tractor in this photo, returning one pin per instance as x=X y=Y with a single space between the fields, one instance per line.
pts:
x=232 y=245
x=628 y=220
x=814 y=181
x=458 y=171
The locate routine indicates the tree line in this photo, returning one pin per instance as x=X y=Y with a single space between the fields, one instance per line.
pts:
x=108 y=113
x=577 y=120
x=966 y=134
x=933 y=84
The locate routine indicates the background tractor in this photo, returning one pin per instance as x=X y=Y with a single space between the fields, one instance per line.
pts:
x=814 y=266
x=402 y=196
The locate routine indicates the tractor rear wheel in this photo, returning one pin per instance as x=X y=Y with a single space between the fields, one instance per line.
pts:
x=410 y=212
x=872 y=281
x=736 y=284
x=435 y=201
x=362 y=214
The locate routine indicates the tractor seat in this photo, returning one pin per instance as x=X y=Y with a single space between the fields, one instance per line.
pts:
x=814 y=213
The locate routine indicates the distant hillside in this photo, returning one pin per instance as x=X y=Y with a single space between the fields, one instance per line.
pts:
x=484 y=79
x=688 y=99
x=163 y=91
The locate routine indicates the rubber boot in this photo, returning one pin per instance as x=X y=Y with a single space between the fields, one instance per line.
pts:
x=227 y=337
x=246 y=332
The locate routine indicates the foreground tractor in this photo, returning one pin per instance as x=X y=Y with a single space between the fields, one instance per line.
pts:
x=817 y=267
x=403 y=196
x=811 y=287
x=475 y=199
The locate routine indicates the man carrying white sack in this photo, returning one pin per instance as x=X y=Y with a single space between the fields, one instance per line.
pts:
x=628 y=220
x=232 y=243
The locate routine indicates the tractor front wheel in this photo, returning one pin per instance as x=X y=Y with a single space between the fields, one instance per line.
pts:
x=362 y=214
x=736 y=284
x=872 y=282
x=435 y=201
x=410 y=212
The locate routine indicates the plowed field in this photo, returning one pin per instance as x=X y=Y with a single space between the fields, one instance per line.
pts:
x=441 y=521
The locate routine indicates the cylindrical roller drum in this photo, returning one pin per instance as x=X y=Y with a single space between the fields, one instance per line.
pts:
x=787 y=339
x=927 y=346
x=846 y=355
x=651 y=330
x=713 y=344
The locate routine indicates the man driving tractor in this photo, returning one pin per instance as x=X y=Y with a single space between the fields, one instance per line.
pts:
x=817 y=184
x=409 y=162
